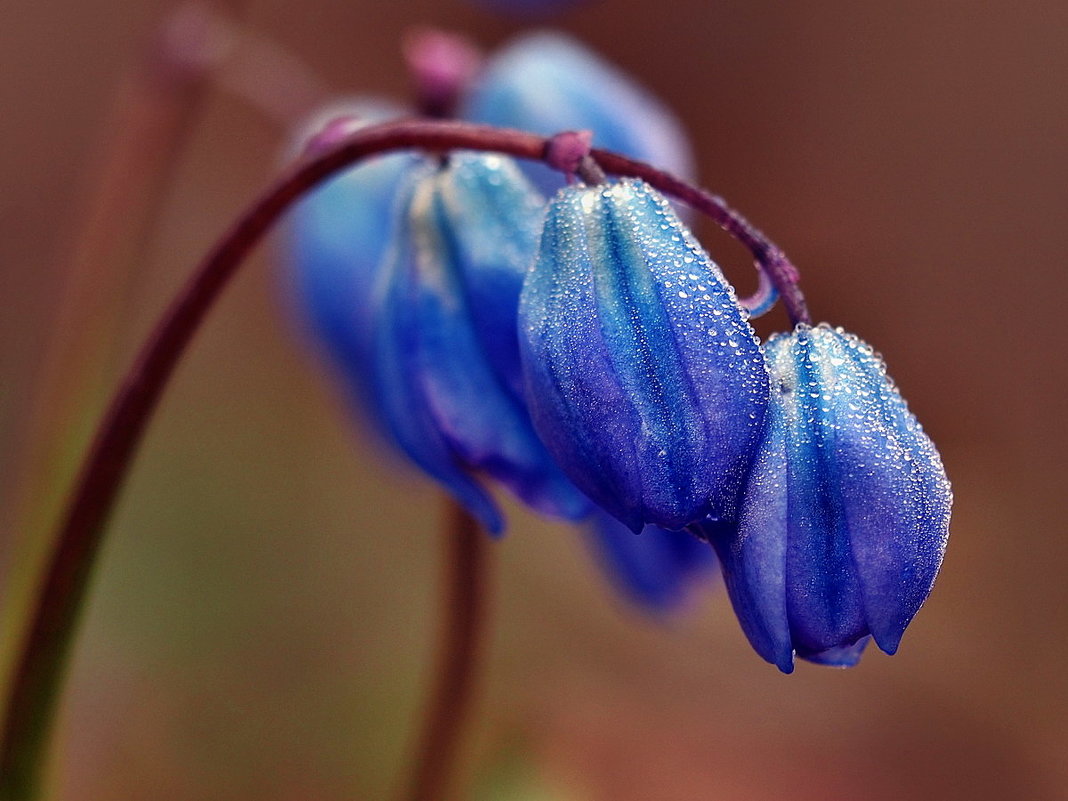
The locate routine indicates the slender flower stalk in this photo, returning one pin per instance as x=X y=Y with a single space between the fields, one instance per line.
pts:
x=268 y=77
x=142 y=139
x=39 y=672
x=464 y=610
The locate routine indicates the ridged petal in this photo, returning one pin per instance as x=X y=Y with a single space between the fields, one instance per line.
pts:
x=397 y=360
x=644 y=378
x=655 y=569
x=897 y=496
x=752 y=553
x=450 y=387
x=545 y=83
x=846 y=513
x=823 y=590
x=495 y=219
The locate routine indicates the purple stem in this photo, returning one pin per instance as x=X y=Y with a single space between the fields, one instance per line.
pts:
x=571 y=153
x=782 y=274
x=39 y=671
x=464 y=612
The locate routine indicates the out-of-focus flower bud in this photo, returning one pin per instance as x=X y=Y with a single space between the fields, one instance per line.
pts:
x=445 y=344
x=546 y=82
x=336 y=238
x=656 y=569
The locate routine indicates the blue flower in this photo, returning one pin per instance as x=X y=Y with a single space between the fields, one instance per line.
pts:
x=339 y=233
x=445 y=360
x=845 y=516
x=655 y=569
x=345 y=234
x=546 y=83
x=527 y=7
x=336 y=240
x=644 y=378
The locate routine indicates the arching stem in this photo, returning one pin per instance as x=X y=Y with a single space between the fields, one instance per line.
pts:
x=780 y=271
x=32 y=701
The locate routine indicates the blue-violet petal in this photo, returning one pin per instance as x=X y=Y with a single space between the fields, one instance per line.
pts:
x=545 y=83
x=656 y=569
x=845 y=515
x=336 y=238
x=644 y=378
x=495 y=218
x=453 y=413
x=397 y=360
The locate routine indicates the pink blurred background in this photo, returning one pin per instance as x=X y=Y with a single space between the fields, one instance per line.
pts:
x=262 y=620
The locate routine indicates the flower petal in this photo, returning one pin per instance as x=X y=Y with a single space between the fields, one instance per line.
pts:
x=336 y=238
x=654 y=569
x=823 y=596
x=527 y=7
x=897 y=496
x=752 y=553
x=398 y=359
x=546 y=83
x=495 y=219
x=487 y=426
x=644 y=379
x=466 y=420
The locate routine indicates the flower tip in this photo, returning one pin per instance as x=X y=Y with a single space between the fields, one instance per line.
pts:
x=634 y=522
x=494 y=526
x=479 y=505
x=888 y=642
x=845 y=656
x=527 y=8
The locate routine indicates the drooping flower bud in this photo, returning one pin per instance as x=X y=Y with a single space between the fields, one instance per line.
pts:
x=336 y=238
x=846 y=513
x=656 y=569
x=445 y=351
x=496 y=221
x=644 y=378
x=546 y=82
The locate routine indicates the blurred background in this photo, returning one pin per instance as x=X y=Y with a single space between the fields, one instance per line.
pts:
x=263 y=617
